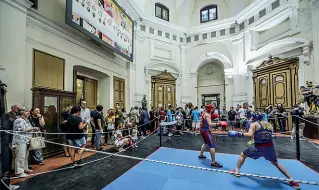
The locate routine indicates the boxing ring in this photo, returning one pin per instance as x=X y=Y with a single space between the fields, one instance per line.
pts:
x=153 y=176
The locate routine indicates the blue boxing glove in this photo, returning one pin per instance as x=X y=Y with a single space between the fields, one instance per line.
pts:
x=235 y=134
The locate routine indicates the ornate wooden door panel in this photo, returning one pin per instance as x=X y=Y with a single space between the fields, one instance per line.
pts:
x=163 y=90
x=159 y=95
x=261 y=90
x=280 y=88
x=275 y=82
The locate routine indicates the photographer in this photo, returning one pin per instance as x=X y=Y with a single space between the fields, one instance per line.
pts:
x=297 y=111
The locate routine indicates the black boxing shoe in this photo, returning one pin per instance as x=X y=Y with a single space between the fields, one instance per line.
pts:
x=202 y=157
x=215 y=164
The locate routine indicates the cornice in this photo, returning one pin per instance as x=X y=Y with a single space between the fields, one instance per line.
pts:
x=21 y=5
x=2 y=67
x=39 y=20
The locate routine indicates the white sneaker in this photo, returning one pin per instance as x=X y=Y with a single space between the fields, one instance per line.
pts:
x=13 y=187
x=170 y=134
x=292 y=138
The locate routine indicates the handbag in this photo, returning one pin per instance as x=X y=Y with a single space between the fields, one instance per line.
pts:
x=37 y=141
x=110 y=126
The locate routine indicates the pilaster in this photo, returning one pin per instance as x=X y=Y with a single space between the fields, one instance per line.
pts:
x=315 y=30
x=13 y=49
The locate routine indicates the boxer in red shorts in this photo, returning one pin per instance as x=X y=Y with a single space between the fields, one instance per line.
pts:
x=206 y=124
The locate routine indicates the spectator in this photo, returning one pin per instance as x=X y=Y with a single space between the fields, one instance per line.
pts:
x=121 y=142
x=296 y=112
x=281 y=118
x=169 y=118
x=86 y=117
x=242 y=116
x=196 y=120
x=156 y=117
x=270 y=111
x=20 y=142
x=223 y=115
x=36 y=120
x=202 y=108
x=152 y=116
x=135 y=115
x=162 y=119
x=11 y=117
x=64 y=129
x=134 y=137
x=98 y=123
x=232 y=118
x=110 y=119
x=145 y=120
x=77 y=135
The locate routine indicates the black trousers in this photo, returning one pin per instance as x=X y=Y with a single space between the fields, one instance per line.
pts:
x=143 y=128
x=93 y=136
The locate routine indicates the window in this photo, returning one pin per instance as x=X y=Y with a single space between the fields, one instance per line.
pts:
x=35 y=4
x=208 y=13
x=161 y=12
x=48 y=71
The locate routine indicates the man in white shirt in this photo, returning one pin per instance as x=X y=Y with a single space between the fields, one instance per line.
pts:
x=85 y=115
x=242 y=115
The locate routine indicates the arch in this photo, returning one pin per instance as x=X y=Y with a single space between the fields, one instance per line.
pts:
x=201 y=60
x=153 y=66
x=277 y=47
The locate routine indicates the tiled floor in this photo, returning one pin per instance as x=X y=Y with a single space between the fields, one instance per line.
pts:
x=53 y=163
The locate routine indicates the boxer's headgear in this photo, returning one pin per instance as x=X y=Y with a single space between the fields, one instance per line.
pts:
x=257 y=117
x=209 y=108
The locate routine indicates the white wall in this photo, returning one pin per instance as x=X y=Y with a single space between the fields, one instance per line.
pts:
x=12 y=52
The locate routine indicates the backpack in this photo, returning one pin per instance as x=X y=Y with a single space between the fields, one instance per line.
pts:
x=64 y=126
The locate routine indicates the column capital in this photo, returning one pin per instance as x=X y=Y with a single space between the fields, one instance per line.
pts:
x=305 y=52
x=184 y=48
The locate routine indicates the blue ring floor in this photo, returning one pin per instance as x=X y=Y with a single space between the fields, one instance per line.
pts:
x=155 y=176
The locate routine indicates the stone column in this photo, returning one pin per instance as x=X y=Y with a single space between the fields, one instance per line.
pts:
x=192 y=89
x=179 y=91
x=240 y=72
x=139 y=62
x=185 y=96
x=315 y=31
x=131 y=86
x=13 y=14
x=250 y=88
x=148 y=81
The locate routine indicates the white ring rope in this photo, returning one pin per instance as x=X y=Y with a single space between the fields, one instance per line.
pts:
x=183 y=165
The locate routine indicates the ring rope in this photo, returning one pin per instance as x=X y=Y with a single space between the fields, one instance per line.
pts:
x=184 y=165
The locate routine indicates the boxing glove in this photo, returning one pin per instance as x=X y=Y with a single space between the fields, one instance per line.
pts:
x=235 y=134
x=223 y=124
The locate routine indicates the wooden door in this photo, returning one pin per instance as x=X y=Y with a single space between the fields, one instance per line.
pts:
x=159 y=99
x=90 y=93
x=262 y=98
x=119 y=92
x=280 y=88
x=163 y=90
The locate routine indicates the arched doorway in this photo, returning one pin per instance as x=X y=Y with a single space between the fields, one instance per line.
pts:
x=211 y=84
x=207 y=74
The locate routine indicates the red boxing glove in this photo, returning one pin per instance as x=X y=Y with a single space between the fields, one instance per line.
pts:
x=215 y=116
x=223 y=124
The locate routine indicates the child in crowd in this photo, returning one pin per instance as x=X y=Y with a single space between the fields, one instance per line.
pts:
x=120 y=141
x=134 y=137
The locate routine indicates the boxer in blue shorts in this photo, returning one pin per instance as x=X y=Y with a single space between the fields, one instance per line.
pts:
x=262 y=132
x=206 y=124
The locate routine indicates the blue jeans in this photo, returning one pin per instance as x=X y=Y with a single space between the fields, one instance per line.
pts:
x=98 y=136
x=164 y=129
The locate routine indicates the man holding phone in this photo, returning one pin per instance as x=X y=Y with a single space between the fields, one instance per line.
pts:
x=76 y=136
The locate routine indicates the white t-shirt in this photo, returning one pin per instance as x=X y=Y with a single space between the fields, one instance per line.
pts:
x=242 y=113
x=85 y=116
